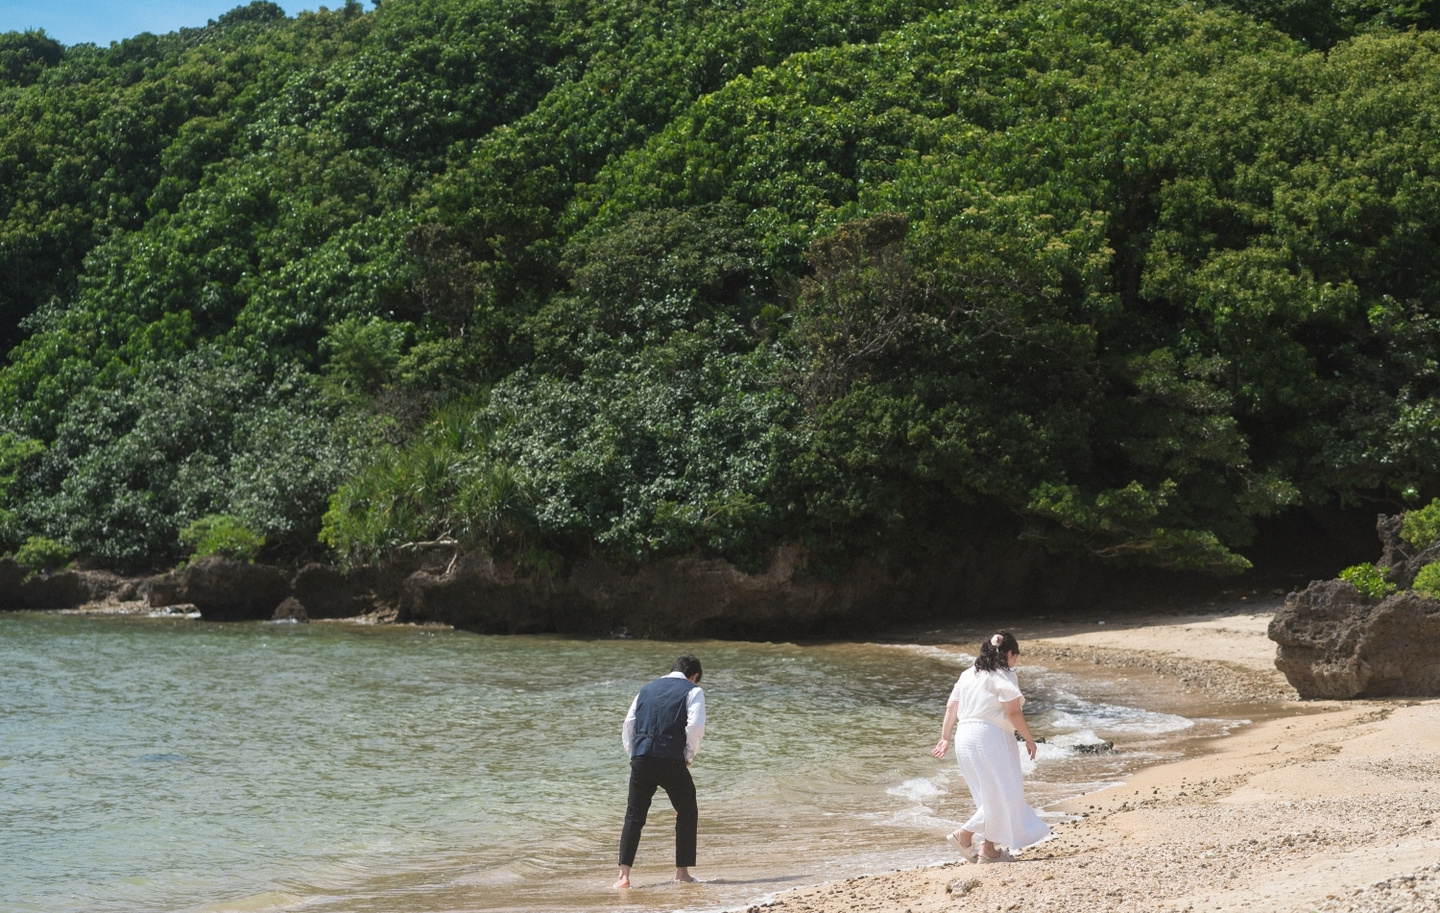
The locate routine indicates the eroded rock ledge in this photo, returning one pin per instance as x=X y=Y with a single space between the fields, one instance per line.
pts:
x=1335 y=643
x=687 y=596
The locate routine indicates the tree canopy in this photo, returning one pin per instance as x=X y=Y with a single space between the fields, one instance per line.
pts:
x=883 y=278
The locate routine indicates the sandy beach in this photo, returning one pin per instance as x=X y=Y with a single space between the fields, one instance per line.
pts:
x=1315 y=806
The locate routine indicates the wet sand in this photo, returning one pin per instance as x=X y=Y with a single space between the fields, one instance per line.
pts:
x=1318 y=805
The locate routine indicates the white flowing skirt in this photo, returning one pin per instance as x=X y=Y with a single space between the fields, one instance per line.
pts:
x=990 y=760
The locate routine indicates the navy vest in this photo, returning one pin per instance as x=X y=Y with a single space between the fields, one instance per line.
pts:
x=660 y=719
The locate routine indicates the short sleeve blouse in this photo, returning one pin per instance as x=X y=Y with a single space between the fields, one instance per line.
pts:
x=980 y=694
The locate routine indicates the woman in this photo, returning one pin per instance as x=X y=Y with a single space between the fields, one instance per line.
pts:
x=983 y=710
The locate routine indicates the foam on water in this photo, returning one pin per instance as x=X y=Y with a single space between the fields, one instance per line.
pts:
x=945 y=655
x=1068 y=712
x=920 y=789
x=1054 y=749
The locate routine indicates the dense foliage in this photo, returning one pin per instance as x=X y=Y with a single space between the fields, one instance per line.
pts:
x=1427 y=581
x=1368 y=580
x=223 y=535
x=1421 y=527
x=882 y=277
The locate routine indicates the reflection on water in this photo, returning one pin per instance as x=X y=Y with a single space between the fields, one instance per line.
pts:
x=167 y=764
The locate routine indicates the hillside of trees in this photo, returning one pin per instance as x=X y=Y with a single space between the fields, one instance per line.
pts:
x=656 y=277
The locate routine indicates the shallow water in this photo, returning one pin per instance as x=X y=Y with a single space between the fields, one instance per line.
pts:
x=170 y=764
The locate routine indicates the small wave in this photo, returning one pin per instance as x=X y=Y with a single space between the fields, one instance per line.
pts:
x=1049 y=751
x=1081 y=739
x=174 y=611
x=498 y=876
x=920 y=789
x=1070 y=713
x=952 y=657
x=266 y=900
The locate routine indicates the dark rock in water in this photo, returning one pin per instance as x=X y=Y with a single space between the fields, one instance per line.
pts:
x=1095 y=747
x=291 y=610
x=223 y=589
x=1335 y=643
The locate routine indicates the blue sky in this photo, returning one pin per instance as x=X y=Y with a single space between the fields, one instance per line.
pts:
x=101 y=22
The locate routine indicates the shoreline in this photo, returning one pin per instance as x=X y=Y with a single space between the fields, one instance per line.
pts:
x=1320 y=805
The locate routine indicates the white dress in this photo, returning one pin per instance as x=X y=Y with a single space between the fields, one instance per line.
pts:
x=989 y=758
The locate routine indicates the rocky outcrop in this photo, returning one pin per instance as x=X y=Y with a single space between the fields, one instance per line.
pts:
x=20 y=589
x=328 y=592
x=1335 y=643
x=223 y=590
x=291 y=610
x=694 y=596
x=686 y=596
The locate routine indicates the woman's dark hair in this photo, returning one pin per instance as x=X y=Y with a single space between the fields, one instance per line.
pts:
x=993 y=652
x=687 y=666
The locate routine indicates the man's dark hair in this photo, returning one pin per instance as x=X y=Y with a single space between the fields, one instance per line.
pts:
x=687 y=666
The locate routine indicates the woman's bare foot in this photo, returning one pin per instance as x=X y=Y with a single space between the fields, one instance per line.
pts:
x=682 y=873
x=624 y=880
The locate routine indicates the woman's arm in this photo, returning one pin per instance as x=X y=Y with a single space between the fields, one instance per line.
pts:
x=1016 y=716
x=952 y=710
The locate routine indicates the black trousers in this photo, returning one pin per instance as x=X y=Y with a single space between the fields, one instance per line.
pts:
x=646 y=775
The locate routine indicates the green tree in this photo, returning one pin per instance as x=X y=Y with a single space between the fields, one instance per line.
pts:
x=24 y=56
x=40 y=554
x=134 y=464
x=221 y=534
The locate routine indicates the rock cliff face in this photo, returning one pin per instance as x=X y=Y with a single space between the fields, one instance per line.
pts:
x=60 y=590
x=701 y=597
x=675 y=597
x=222 y=590
x=1335 y=643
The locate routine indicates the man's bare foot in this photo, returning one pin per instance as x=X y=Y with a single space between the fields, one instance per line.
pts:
x=623 y=881
x=683 y=874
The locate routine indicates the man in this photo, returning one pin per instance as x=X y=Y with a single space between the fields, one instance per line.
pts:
x=661 y=735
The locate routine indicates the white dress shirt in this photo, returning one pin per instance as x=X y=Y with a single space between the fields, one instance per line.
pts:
x=694 y=721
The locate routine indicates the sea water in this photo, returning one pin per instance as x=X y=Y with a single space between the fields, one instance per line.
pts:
x=175 y=765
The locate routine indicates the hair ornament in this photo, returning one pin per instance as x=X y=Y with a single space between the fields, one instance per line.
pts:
x=996 y=641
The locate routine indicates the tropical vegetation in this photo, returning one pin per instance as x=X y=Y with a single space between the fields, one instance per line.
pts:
x=884 y=278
